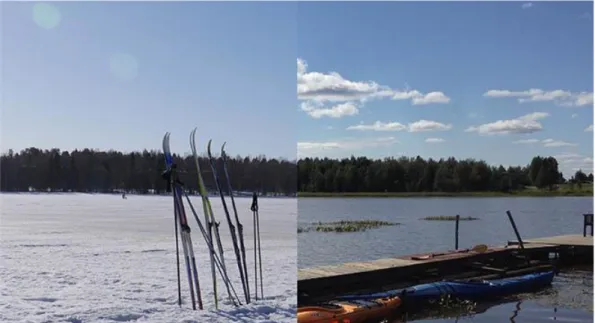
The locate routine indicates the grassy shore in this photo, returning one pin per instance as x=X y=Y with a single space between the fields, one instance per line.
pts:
x=523 y=193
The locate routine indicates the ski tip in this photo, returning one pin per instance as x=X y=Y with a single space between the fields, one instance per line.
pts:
x=192 y=137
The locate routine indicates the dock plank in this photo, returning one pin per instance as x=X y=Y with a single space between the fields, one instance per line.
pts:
x=562 y=240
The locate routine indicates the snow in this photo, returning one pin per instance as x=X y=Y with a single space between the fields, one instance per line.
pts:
x=101 y=258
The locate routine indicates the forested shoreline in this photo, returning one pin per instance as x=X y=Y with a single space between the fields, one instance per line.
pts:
x=89 y=170
x=417 y=175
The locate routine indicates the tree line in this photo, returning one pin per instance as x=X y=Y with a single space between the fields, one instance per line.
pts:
x=361 y=174
x=89 y=170
x=138 y=172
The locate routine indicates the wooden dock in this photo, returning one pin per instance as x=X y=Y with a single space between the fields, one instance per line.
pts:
x=324 y=282
x=575 y=240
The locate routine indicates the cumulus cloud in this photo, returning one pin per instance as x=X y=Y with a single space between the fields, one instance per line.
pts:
x=589 y=128
x=333 y=87
x=418 y=126
x=338 y=147
x=528 y=123
x=569 y=163
x=379 y=126
x=559 y=97
x=317 y=110
x=427 y=125
x=434 y=140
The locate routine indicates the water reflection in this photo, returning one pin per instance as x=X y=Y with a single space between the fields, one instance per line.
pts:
x=516 y=310
x=515 y=313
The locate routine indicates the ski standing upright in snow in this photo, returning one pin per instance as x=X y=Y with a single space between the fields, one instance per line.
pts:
x=238 y=224
x=184 y=230
x=232 y=228
x=209 y=216
x=178 y=192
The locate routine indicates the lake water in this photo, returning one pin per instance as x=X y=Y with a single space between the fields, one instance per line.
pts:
x=534 y=217
x=570 y=299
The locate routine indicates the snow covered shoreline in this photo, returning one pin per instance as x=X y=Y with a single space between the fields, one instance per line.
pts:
x=101 y=258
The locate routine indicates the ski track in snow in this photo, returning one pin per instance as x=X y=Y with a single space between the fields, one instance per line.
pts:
x=83 y=258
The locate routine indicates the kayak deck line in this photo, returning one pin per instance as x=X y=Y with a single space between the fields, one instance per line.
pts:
x=324 y=282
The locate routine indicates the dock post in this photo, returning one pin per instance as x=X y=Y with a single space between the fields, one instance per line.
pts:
x=587 y=221
x=518 y=236
x=457 y=232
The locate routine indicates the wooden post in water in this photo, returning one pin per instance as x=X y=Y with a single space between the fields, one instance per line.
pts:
x=457 y=232
x=518 y=236
x=587 y=221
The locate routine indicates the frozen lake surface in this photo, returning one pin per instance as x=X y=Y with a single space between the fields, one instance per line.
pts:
x=101 y=258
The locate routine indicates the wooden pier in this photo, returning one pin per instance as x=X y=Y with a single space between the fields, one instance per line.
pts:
x=516 y=258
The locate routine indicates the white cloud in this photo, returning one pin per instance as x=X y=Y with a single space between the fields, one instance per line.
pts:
x=525 y=124
x=434 y=140
x=546 y=142
x=569 y=163
x=418 y=126
x=574 y=115
x=527 y=5
x=427 y=125
x=317 y=110
x=333 y=87
x=379 y=126
x=589 y=128
x=557 y=143
x=432 y=97
x=526 y=141
x=345 y=146
x=559 y=97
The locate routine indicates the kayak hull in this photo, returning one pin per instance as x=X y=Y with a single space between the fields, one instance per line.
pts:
x=467 y=290
x=356 y=311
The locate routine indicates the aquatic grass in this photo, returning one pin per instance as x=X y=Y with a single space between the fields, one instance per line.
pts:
x=450 y=303
x=345 y=226
x=449 y=218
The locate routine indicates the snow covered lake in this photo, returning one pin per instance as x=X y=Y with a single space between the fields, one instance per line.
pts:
x=101 y=258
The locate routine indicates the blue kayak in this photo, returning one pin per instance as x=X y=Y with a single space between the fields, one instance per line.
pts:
x=465 y=290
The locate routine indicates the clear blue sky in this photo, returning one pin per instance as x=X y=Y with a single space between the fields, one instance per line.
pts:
x=112 y=75
x=500 y=81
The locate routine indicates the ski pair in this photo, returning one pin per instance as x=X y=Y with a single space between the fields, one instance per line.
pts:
x=212 y=224
x=181 y=223
x=182 y=232
x=239 y=249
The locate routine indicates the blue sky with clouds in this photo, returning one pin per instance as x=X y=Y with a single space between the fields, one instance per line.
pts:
x=500 y=81
x=119 y=75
